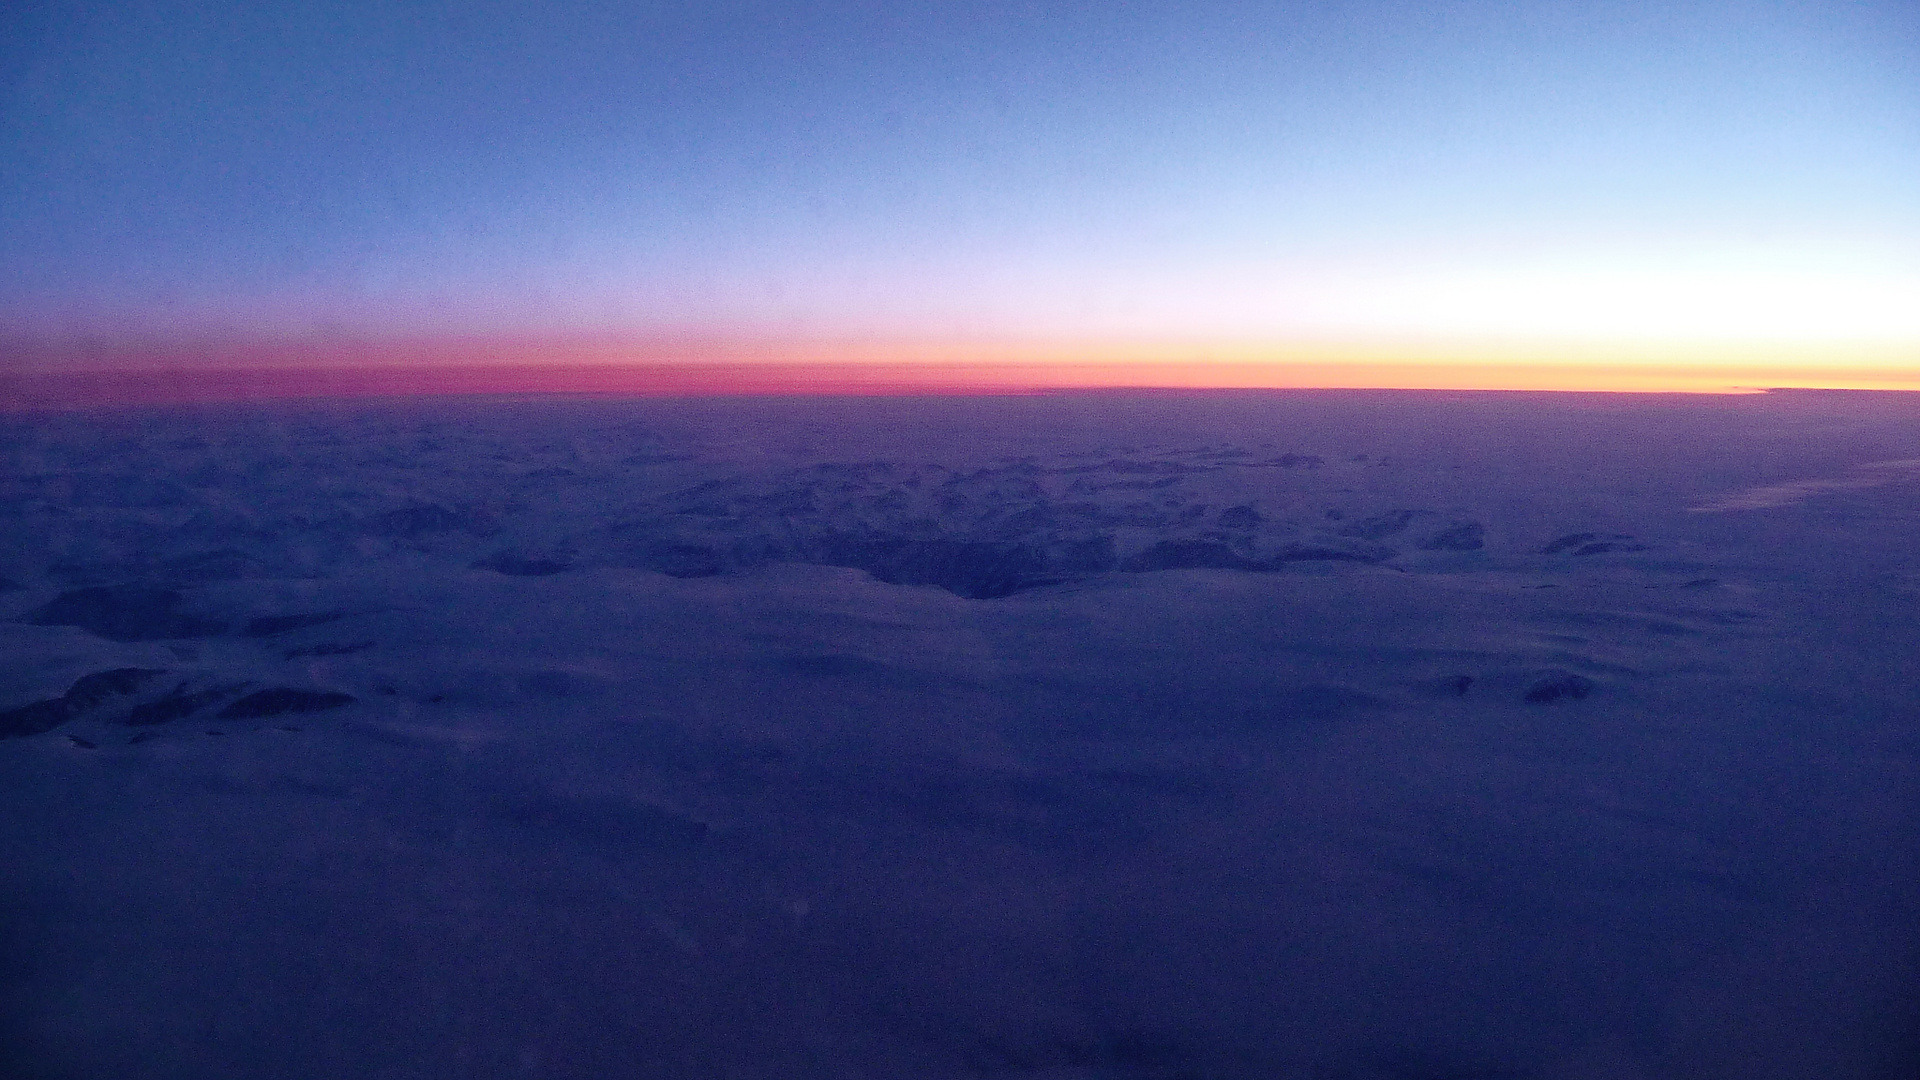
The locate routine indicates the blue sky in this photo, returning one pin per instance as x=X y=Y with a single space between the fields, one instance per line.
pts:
x=1116 y=170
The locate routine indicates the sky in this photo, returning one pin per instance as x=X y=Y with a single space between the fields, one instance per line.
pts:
x=1526 y=181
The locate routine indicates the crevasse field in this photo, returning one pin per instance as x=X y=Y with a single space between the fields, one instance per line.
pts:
x=1332 y=735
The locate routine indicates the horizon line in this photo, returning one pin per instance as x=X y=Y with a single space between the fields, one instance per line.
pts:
x=100 y=387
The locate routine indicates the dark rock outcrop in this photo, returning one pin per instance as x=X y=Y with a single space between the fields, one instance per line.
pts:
x=1587 y=543
x=1239 y=517
x=33 y=719
x=1316 y=553
x=520 y=566
x=1466 y=536
x=275 y=625
x=1136 y=515
x=1189 y=554
x=124 y=613
x=975 y=569
x=1082 y=554
x=1216 y=555
x=1569 y=542
x=1117 y=465
x=86 y=692
x=1559 y=685
x=91 y=690
x=176 y=704
x=329 y=648
x=280 y=699
x=1605 y=546
x=223 y=565
x=1379 y=526
x=681 y=559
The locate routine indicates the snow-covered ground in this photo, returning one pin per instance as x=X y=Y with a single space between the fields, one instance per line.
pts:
x=1364 y=735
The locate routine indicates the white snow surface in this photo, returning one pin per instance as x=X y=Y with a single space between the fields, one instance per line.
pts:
x=1314 y=734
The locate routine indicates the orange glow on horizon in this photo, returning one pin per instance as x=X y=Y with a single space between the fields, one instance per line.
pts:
x=692 y=366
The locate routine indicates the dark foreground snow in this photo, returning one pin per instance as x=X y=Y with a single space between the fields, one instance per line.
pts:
x=1320 y=735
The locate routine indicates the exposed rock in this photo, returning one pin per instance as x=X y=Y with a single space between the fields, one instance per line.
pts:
x=329 y=649
x=274 y=625
x=1587 y=543
x=1466 y=536
x=91 y=690
x=124 y=613
x=1130 y=485
x=1188 y=554
x=978 y=570
x=1379 y=526
x=1082 y=554
x=681 y=560
x=1606 y=546
x=176 y=704
x=1216 y=555
x=84 y=694
x=1314 y=553
x=280 y=699
x=1138 y=515
x=1560 y=684
x=1569 y=542
x=1149 y=467
x=520 y=566
x=1239 y=517
x=33 y=719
